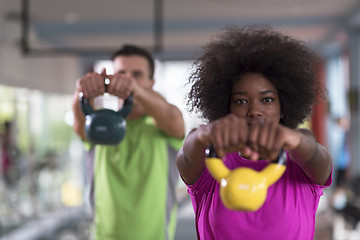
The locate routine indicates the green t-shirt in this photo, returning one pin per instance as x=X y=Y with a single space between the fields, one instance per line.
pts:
x=135 y=185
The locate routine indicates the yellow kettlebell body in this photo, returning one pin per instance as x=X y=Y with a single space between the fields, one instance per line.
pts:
x=243 y=189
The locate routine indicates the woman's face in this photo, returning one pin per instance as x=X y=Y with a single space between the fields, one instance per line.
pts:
x=253 y=97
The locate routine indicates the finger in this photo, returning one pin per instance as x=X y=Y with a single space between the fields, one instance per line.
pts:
x=254 y=156
x=128 y=86
x=239 y=134
x=203 y=134
x=263 y=136
x=253 y=137
x=79 y=87
x=96 y=84
x=217 y=139
x=246 y=152
x=220 y=135
x=84 y=86
x=103 y=73
x=106 y=80
x=231 y=131
x=225 y=135
x=231 y=134
x=278 y=144
x=267 y=142
x=120 y=86
x=242 y=139
x=115 y=84
x=101 y=83
x=270 y=145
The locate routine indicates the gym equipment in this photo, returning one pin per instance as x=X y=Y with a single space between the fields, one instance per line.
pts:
x=244 y=189
x=105 y=126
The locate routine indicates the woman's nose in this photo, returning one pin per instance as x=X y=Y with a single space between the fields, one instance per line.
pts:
x=254 y=110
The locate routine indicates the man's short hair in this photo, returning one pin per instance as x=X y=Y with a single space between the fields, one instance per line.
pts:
x=131 y=50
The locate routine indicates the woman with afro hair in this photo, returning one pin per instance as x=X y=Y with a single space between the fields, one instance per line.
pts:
x=254 y=86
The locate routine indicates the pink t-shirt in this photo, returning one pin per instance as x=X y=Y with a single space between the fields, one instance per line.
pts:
x=288 y=212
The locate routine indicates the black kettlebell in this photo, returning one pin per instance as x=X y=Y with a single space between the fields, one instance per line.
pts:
x=105 y=126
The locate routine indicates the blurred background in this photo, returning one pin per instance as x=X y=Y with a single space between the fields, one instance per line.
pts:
x=46 y=45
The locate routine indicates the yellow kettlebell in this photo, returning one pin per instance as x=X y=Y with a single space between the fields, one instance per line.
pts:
x=244 y=189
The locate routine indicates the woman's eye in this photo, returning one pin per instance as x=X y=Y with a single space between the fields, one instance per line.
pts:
x=240 y=101
x=268 y=99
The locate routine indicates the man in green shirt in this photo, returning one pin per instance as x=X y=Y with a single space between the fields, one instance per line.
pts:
x=134 y=181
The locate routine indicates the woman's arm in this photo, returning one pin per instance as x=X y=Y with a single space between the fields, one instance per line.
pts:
x=312 y=157
x=190 y=159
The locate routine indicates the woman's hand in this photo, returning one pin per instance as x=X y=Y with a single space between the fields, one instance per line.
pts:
x=256 y=139
x=227 y=134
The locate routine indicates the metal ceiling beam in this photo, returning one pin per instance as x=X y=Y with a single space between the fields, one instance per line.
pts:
x=157 y=47
x=25 y=27
x=158 y=25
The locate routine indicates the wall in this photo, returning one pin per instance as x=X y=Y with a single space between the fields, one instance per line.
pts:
x=47 y=73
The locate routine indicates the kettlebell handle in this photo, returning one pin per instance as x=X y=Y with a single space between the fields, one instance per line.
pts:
x=87 y=109
x=211 y=153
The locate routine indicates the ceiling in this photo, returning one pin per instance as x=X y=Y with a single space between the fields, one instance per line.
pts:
x=172 y=29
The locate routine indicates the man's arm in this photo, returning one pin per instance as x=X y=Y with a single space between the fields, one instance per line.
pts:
x=91 y=85
x=167 y=116
x=79 y=118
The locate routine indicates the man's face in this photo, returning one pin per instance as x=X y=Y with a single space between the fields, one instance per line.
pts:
x=136 y=67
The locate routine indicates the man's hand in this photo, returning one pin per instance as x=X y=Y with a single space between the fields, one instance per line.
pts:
x=92 y=84
x=122 y=85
